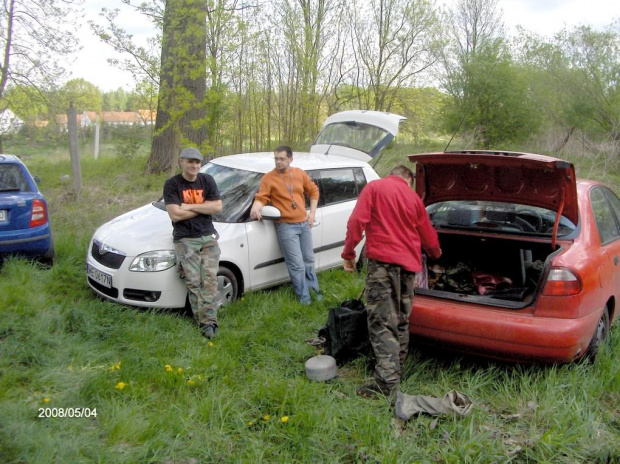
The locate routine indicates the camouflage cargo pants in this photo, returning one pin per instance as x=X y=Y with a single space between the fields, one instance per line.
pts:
x=389 y=296
x=197 y=264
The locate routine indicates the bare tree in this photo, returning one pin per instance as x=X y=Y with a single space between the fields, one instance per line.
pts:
x=34 y=36
x=489 y=94
x=245 y=69
x=393 y=41
x=226 y=45
x=473 y=24
x=298 y=58
x=337 y=67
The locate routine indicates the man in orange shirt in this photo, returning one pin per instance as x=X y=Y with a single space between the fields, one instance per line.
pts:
x=284 y=188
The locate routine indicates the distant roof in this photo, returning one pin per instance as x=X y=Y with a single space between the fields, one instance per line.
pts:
x=121 y=116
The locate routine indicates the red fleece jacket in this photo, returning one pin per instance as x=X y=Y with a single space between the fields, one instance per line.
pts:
x=396 y=225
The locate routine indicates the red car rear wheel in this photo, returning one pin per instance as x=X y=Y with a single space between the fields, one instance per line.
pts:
x=601 y=334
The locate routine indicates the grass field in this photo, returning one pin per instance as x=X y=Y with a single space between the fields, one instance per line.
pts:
x=163 y=394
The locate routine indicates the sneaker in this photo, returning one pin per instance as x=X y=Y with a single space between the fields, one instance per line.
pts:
x=208 y=330
x=372 y=390
x=318 y=296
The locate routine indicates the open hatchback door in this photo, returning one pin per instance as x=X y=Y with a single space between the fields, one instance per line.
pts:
x=357 y=134
x=520 y=179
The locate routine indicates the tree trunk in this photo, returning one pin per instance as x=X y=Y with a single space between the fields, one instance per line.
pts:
x=560 y=146
x=181 y=109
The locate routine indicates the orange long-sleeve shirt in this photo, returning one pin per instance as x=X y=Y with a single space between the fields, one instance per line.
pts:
x=274 y=189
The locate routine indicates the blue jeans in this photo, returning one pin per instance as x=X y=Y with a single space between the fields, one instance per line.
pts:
x=296 y=244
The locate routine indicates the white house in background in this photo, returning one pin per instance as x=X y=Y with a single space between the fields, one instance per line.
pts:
x=9 y=122
x=121 y=118
x=88 y=118
x=116 y=118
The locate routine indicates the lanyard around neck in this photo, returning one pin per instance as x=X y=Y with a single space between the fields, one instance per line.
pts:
x=288 y=187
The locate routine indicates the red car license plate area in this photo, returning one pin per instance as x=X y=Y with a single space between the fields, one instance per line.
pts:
x=99 y=277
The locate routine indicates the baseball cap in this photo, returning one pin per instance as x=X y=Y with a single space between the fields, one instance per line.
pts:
x=191 y=153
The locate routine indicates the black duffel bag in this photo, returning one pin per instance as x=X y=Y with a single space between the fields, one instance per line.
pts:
x=345 y=335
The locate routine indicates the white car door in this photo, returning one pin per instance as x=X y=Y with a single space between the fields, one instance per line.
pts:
x=267 y=265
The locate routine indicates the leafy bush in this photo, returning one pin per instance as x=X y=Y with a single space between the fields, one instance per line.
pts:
x=127 y=146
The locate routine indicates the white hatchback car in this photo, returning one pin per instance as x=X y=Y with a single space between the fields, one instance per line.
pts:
x=131 y=259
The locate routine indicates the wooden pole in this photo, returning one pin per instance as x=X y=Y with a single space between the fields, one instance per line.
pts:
x=74 y=150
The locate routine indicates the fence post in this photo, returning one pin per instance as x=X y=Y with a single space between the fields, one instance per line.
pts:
x=97 y=139
x=74 y=150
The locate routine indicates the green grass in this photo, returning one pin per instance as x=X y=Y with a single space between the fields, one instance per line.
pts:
x=60 y=347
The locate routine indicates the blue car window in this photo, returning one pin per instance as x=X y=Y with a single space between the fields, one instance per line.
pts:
x=12 y=179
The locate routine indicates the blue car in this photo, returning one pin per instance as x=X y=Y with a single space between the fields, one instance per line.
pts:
x=24 y=218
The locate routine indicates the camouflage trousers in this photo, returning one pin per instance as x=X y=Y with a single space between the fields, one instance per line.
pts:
x=389 y=296
x=197 y=264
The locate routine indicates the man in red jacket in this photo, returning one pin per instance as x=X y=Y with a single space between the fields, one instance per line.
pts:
x=397 y=228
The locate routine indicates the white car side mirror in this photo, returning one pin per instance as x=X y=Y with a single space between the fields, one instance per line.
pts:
x=270 y=212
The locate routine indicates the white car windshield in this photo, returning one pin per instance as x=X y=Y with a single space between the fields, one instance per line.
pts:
x=237 y=188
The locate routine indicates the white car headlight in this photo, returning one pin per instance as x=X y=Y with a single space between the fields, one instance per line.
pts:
x=153 y=261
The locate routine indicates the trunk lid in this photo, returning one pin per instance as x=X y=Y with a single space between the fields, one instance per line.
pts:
x=521 y=178
x=357 y=134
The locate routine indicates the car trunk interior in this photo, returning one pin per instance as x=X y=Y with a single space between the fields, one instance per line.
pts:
x=485 y=270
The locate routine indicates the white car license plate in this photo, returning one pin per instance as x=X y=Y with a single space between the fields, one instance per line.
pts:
x=2 y=215
x=99 y=277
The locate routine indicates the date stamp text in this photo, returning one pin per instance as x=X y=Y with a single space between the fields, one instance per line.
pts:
x=67 y=412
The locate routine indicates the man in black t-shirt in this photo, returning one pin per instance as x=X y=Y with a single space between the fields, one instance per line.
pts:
x=191 y=198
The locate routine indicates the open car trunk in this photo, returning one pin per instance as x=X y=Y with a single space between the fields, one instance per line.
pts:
x=486 y=270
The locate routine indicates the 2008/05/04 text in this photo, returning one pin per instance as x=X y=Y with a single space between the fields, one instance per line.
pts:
x=67 y=412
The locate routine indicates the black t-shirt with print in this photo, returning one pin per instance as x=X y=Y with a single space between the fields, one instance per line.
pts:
x=178 y=190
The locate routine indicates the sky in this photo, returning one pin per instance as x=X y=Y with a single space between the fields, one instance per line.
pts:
x=91 y=62
x=544 y=17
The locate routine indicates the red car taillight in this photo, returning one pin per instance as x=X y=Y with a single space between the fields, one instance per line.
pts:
x=562 y=282
x=38 y=216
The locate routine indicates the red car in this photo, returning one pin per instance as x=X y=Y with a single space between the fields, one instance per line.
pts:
x=530 y=269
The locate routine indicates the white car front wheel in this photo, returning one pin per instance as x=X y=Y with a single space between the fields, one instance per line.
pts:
x=227 y=285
